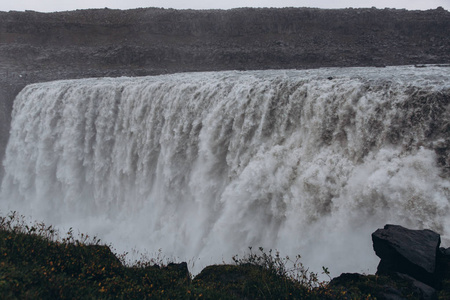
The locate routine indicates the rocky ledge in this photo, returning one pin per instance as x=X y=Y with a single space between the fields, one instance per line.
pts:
x=412 y=266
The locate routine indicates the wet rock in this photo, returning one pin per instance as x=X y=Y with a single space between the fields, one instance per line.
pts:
x=421 y=289
x=391 y=293
x=445 y=251
x=411 y=252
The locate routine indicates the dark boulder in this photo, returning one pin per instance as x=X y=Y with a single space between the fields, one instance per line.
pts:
x=396 y=286
x=411 y=252
x=421 y=289
x=391 y=293
x=445 y=251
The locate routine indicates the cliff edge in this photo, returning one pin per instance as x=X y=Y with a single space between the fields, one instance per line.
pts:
x=36 y=47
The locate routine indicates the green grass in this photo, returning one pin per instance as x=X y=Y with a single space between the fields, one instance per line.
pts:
x=37 y=263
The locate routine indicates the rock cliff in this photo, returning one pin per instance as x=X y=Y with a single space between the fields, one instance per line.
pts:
x=38 y=47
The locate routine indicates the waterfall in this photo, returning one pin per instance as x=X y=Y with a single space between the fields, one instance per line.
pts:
x=204 y=165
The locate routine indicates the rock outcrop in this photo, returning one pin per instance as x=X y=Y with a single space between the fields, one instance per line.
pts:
x=411 y=252
x=412 y=266
x=414 y=257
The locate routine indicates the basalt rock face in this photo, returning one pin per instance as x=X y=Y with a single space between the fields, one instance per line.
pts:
x=412 y=252
x=36 y=47
x=412 y=266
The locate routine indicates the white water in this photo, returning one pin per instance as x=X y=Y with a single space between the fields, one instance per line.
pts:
x=205 y=165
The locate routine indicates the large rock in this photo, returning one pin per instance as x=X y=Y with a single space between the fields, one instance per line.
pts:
x=412 y=252
x=424 y=291
x=397 y=286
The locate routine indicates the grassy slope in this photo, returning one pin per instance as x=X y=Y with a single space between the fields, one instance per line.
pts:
x=36 y=265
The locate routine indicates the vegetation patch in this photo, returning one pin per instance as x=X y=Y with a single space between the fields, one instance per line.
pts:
x=36 y=262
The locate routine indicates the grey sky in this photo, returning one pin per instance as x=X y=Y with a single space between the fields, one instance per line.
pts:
x=60 y=5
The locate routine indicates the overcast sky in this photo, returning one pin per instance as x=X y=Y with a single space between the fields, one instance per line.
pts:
x=61 y=5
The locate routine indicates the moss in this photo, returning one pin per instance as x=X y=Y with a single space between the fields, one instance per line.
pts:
x=33 y=266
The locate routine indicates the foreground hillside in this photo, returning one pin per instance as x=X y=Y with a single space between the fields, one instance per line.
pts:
x=33 y=265
x=36 y=264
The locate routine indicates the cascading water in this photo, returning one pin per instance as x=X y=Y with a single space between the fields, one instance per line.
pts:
x=205 y=165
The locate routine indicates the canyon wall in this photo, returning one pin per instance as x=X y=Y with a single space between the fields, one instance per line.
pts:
x=36 y=47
